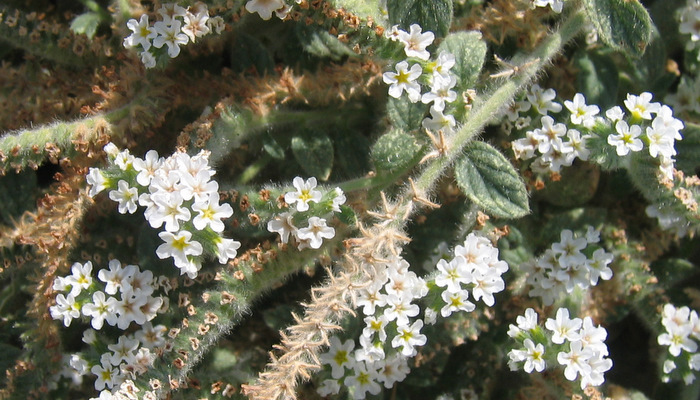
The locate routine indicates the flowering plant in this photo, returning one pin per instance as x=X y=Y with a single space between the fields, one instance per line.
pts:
x=280 y=199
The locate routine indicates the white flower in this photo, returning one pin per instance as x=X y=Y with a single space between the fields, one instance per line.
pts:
x=169 y=11
x=563 y=327
x=689 y=23
x=171 y=35
x=316 y=232
x=178 y=246
x=116 y=277
x=525 y=322
x=96 y=180
x=598 y=266
x=404 y=79
x=486 y=284
x=66 y=308
x=284 y=225
x=556 y=5
x=415 y=42
x=569 y=249
x=456 y=302
x=106 y=376
x=328 y=387
x=641 y=106
x=549 y=134
x=338 y=200
x=304 y=194
x=400 y=309
x=441 y=93
x=339 y=357
x=147 y=167
x=264 y=8
x=126 y=197
x=442 y=65
x=582 y=114
x=533 y=356
x=575 y=360
x=408 y=337
x=196 y=24
x=439 y=121
x=542 y=100
x=452 y=274
x=375 y=325
x=615 y=114
x=226 y=249
x=678 y=339
x=169 y=210
x=362 y=380
x=101 y=309
x=142 y=33
x=211 y=213
x=148 y=60
x=80 y=278
x=626 y=139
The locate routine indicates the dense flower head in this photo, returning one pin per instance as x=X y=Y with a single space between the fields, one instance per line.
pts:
x=565 y=266
x=574 y=344
x=179 y=195
x=177 y=27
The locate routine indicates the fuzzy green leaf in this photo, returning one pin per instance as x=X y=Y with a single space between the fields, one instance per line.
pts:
x=598 y=78
x=272 y=148
x=431 y=15
x=623 y=25
x=86 y=24
x=314 y=152
x=491 y=182
x=403 y=114
x=469 y=51
x=394 y=151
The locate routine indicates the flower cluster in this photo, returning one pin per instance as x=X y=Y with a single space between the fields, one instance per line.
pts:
x=558 y=146
x=574 y=344
x=393 y=325
x=568 y=264
x=265 y=8
x=124 y=360
x=120 y=296
x=436 y=74
x=178 y=26
x=311 y=236
x=682 y=326
x=648 y=123
x=179 y=194
x=690 y=24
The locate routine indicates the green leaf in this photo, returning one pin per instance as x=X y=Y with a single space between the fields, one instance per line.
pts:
x=405 y=115
x=491 y=182
x=623 y=25
x=469 y=51
x=272 y=148
x=347 y=215
x=598 y=78
x=431 y=15
x=86 y=24
x=314 y=152
x=317 y=41
x=394 y=151
x=688 y=157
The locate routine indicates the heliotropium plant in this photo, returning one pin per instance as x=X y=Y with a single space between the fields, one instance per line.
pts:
x=377 y=199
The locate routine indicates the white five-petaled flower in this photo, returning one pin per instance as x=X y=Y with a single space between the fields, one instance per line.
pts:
x=304 y=194
x=408 y=337
x=415 y=42
x=404 y=79
x=96 y=180
x=171 y=35
x=439 y=121
x=126 y=197
x=457 y=301
x=316 y=232
x=196 y=24
x=147 y=167
x=339 y=356
x=641 y=106
x=563 y=327
x=101 y=309
x=142 y=33
x=284 y=225
x=226 y=249
x=211 y=213
x=626 y=139
x=582 y=114
x=178 y=246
